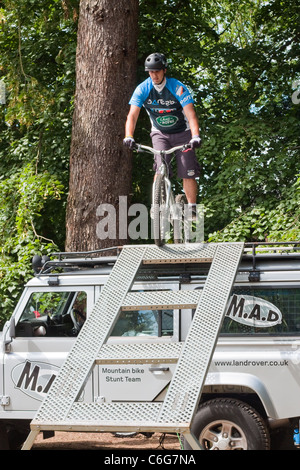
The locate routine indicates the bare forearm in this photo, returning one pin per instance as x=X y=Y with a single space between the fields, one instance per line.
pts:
x=130 y=126
x=192 y=119
x=131 y=121
x=194 y=126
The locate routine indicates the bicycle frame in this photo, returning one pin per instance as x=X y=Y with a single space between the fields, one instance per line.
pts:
x=170 y=200
x=168 y=212
x=167 y=184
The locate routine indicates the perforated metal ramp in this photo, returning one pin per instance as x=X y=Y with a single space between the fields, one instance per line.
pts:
x=61 y=410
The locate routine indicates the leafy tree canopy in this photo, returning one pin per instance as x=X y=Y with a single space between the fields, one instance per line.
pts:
x=241 y=60
x=37 y=67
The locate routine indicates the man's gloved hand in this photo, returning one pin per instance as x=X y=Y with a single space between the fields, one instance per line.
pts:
x=129 y=142
x=195 y=141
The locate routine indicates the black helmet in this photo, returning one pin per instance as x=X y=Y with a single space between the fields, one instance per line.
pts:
x=155 y=61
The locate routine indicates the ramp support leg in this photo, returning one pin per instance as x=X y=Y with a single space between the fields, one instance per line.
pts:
x=30 y=440
x=192 y=440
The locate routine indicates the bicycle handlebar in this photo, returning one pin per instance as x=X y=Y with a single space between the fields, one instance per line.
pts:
x=140 y=148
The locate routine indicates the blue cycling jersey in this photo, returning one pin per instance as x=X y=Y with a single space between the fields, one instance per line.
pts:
x=164 y=107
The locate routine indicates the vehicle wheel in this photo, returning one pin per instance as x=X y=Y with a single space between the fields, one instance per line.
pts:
x=16 y=439
x=12 y=437
x=180 y=229
x=229 y=424
x=4 y=442
x=160 y=216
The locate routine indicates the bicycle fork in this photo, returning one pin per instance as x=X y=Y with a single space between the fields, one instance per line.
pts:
x=173 y=209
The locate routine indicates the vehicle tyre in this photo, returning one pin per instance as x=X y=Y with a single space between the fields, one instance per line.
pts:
x=4 y=442
x=13 y=436
x=16 y=439
x=229 y=424
x=160 y=217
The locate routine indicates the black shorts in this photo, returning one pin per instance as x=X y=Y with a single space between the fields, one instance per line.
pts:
x=187 y=163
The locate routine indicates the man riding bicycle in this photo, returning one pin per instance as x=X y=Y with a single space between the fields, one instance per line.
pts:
x=170 y=107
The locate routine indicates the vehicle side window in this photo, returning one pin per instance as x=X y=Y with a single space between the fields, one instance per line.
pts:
x=263 y=311
x=53 y=314
x=144 y=323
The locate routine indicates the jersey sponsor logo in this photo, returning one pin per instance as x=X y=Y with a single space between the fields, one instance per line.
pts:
x=166 y=121
x=180 y=90
x=162 y=111
x=161 y=102
x=253 y=311
x=186 y=98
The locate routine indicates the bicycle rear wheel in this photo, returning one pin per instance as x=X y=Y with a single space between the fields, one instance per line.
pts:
x=182 y=225
x=160 y=212
x=178 y=223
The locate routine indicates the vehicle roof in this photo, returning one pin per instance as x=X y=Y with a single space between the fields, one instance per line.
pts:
x=88 y=271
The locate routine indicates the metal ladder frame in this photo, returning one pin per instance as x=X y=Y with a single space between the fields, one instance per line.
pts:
x=61 y=410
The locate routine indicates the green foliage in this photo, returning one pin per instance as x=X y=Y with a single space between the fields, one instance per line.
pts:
x=37 y=65
x=268 y=221
x=240 y=59
x=24 y=198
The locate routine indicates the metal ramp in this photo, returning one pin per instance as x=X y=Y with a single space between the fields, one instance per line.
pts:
x=61 y=409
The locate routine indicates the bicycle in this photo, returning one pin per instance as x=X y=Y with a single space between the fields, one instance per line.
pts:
x=167 y=209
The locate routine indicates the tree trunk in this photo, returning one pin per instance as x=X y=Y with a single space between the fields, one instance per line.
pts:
x=100 y=166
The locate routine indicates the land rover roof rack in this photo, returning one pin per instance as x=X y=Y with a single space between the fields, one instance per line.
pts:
x=84 y=254
x=73 y=260
x=258 y=250
x=91 y=259
x=271 y=246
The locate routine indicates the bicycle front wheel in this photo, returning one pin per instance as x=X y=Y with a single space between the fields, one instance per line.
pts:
x=160 y=213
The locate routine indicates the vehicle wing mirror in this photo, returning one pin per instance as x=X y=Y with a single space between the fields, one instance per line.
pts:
x=12 y=328
x=11 y=331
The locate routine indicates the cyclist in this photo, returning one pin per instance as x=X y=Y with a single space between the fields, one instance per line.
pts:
x=170 y=107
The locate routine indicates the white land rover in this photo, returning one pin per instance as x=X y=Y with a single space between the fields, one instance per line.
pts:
x=251 y=394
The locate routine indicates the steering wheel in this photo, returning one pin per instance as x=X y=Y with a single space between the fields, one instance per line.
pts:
x=77 y=325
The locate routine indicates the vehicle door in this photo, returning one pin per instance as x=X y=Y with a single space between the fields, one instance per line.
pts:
x=147 y=381
x=47 y=321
